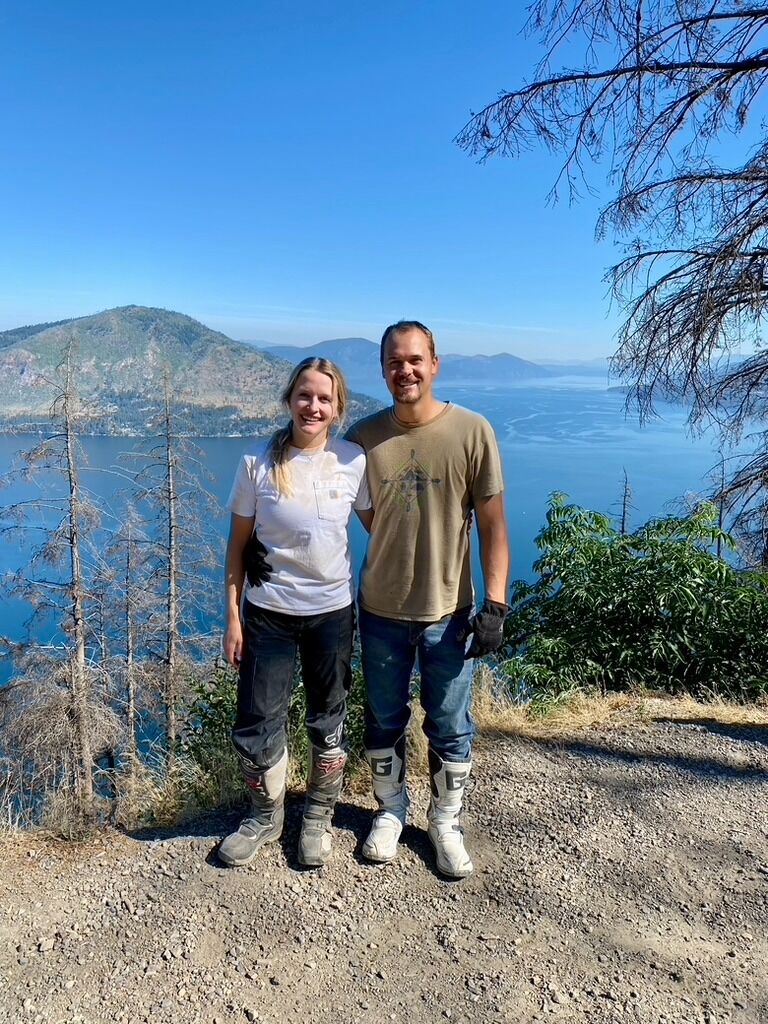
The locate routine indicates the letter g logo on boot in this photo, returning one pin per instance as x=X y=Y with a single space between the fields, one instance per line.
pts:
x=381 y=765
x=455 y=780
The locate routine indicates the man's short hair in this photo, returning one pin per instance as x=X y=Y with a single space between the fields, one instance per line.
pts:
x=406 y=325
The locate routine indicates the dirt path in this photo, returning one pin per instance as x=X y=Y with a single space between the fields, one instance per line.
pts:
x=621 y=875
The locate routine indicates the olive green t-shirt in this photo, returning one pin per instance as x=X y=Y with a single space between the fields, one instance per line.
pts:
x=424 y=480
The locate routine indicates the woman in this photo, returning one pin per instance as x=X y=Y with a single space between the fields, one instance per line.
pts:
x=295 y=492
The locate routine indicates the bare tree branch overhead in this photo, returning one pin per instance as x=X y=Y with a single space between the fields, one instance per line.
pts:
x=663 y=95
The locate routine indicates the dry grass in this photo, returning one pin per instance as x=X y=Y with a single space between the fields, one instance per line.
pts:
x=145 y=794
x=578 y=714
x=720 y=711
x=14 y=819
x=416 y=745
x=149 y=794
x=495 y=713
x=298 y=771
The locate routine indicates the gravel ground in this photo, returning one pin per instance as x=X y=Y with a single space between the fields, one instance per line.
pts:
x=620 y=875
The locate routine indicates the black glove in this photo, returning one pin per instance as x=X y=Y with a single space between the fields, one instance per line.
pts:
x=488 y=627
x=255 y=563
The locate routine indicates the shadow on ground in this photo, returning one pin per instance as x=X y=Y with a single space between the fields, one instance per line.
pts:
x=613 y=751
x=214 y=825
x=747 y=732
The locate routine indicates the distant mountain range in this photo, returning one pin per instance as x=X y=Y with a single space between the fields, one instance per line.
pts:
x=219 y=386
x=497 y=369
x=359 y=359
x=586 y=368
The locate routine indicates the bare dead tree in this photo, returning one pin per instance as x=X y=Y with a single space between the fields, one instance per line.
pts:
x=170 y=487
x=67 y=409
x=626 y=504
x=745 y=496
x=171 y=496
x=41 y=743
x=721 y=483
x=659 y=87
x=128 y=568
x=130 y=593
x=60 y=675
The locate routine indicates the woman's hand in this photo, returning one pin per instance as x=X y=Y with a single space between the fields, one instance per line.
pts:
x=232 y=644
x=240 y=530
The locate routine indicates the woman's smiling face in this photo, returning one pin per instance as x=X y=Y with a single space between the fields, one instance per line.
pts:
x=313 y=408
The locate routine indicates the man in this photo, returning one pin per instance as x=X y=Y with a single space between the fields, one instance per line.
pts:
x=430 y=465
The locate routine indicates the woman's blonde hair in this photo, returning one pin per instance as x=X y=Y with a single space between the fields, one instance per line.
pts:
x=281 y=439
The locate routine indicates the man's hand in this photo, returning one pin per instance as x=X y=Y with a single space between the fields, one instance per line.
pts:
x=488 y=629
x=232 y=644
x=257 y=568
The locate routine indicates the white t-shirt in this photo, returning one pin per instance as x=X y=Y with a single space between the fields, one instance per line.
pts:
x=305 y=533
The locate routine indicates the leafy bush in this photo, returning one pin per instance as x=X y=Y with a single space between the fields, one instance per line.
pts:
x=206 y=740
x=655 y=608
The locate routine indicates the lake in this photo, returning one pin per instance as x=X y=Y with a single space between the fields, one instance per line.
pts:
x=568 y=434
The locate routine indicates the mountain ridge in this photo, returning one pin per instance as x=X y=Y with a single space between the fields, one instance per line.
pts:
x=123 y=356
x=359 y=359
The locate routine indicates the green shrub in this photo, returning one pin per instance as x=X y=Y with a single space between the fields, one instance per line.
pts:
x=655 y=608
x=206 y=742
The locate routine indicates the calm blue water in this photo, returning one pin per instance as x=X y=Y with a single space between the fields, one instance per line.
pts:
x=564 y=434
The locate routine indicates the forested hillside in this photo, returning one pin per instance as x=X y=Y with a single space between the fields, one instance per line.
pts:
x=122 y=359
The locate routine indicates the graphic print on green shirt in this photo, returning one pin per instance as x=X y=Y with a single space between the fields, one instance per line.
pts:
x=410 y=481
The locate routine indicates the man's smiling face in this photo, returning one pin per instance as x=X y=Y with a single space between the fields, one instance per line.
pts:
x=408 y=366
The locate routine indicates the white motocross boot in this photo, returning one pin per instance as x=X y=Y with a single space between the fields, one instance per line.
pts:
x=448 y=779
x=326 y=777
x=266 y=788
x=388 y=776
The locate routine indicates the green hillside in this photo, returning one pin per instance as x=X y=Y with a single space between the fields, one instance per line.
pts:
x=123 y=356
x=8 y=338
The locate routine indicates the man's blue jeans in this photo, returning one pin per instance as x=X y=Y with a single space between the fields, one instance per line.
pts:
x=390 y=648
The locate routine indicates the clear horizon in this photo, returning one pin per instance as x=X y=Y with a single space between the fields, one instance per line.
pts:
x=510 y=340
x=443 y=352
x=268 y=343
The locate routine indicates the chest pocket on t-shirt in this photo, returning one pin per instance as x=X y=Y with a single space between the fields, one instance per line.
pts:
x=331 y=499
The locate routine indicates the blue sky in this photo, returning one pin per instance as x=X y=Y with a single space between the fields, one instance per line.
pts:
x=285 y=172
